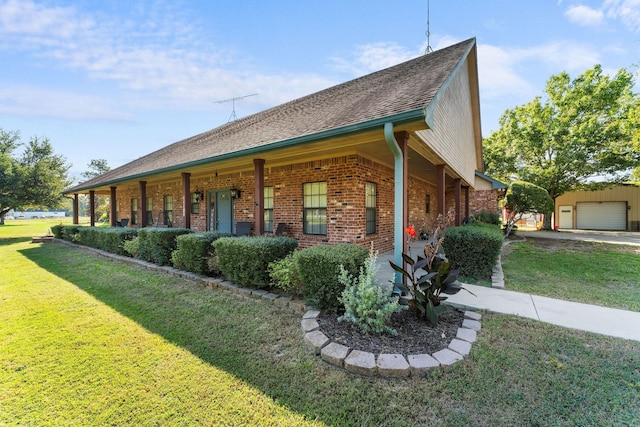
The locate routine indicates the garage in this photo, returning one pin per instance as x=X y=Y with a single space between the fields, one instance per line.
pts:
x=601 y=215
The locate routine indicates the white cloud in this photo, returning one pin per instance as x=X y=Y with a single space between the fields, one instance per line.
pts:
x=373 y=57
x=155 y=53
x=31 y=101
x=584 y=15
x=627 y=11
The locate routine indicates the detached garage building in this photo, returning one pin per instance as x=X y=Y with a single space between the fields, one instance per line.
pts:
x=615 y=208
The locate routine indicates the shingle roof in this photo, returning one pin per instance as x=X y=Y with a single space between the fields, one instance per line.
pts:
x=404 y=87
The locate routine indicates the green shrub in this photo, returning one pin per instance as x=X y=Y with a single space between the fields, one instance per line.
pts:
x=367 y=304
x=284 y=275
x=194 y=252
x=486 y=217
x=70 y=233
x=245 y=260
x=473 y=249
x=157 y=244
x=132 y=247
x=319 y=270
x=107 y=239
x=57 y=231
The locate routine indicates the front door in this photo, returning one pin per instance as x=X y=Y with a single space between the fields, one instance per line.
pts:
x=565 y=220
x=220 y=211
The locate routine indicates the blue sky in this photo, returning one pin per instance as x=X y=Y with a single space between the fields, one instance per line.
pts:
x=119 y=79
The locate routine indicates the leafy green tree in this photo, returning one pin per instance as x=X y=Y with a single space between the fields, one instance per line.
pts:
x=524 y=197
x=36 y=177
x=584 y=135
x=96 y=167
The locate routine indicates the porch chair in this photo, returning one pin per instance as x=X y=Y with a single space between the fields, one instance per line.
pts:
x=279 y=229
x=243 y=229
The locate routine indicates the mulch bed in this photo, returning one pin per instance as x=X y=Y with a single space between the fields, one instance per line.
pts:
x=414 y=336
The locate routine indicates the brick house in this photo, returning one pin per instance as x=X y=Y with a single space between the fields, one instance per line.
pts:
x=356 y=162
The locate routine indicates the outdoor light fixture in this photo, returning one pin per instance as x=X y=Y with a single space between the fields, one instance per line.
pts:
x=235 y=193
x=199 y=195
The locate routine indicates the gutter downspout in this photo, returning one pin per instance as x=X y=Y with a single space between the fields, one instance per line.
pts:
x=398 y=198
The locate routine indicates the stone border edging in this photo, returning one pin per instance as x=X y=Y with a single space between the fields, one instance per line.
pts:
x=388 y=365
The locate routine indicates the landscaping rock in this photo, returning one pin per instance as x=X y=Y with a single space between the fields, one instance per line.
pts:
x=270 y=296
x=459 y=346
x=334 y=353
x=421 y=363
x=311 y=314
x=447 y=356
x=315 y=341
x=469 y=335
x=360 y=362
x=471 y=324
x=392 y=365
x=472 y=315
x=282 y=301
x=309 y=325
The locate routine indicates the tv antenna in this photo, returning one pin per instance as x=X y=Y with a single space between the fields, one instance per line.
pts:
x=233 y=100
x=428 y=33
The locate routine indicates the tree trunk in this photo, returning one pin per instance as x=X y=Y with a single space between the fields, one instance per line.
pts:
x=546 y=222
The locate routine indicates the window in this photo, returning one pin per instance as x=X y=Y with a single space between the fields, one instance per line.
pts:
x=149 y=210
x=168 y=210
x=371 y=207
x=195 y=203
x=315 y=208
x=134 y=211
x=268 y=209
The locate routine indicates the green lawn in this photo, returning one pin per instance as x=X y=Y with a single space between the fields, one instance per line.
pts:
x=88 y=341
x=592 y=273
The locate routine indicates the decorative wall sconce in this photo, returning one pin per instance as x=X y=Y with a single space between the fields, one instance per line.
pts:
x=235 y=193
x=199 y=195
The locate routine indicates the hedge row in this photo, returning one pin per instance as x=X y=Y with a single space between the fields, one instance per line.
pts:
x=157 y=244
x=474 y=249
x=195 y=252
x=245 y=260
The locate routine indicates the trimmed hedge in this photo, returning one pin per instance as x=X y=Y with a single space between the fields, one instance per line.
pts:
x=245 y=260
x=319 y=270
x=70 y=232
x=157 y=244
x=107 y=239
x=56 y=230
x=474 y=249
x=194 y=252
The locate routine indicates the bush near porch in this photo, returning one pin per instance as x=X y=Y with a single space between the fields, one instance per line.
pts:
x=194 y=252
x=106 y=239
x=245 y=260
x=473 y=249
x=157 y=244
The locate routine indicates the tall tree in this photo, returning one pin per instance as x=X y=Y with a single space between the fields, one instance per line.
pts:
x=584 y=134
x=96 y=168
x=36 y=177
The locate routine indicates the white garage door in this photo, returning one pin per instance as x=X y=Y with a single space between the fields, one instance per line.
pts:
x=601 y=215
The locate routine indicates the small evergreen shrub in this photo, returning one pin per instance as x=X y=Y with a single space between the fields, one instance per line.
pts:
x=473 y=249
x=486 y=217
x=132 y=247
x=285 y=276
x=157 y=244
x=367 y=304
x=245 y=260
x=70 y=233
x=319 y=270
x=194 y=251
x=56 y=230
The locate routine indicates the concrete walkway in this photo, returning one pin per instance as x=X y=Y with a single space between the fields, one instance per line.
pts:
x=584 y=317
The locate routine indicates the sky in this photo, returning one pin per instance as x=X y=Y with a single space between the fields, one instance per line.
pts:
x=116 y=80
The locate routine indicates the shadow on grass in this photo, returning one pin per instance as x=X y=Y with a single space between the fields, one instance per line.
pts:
x=6 y=241
x=257 y=342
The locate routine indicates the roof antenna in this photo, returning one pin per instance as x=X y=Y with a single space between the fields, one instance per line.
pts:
x=428 y=33
x=233 y=100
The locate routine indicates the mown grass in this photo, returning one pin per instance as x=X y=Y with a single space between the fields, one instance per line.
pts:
x=89 y=341
x=592 y=273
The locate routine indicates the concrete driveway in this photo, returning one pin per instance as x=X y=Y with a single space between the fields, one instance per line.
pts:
x=614 y=237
